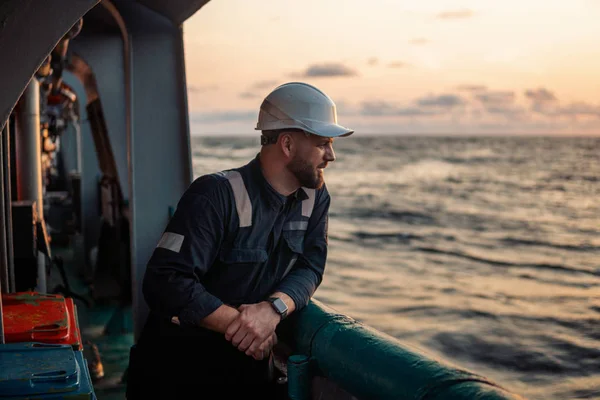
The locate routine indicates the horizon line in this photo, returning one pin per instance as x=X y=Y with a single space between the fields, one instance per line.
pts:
x=445 y=134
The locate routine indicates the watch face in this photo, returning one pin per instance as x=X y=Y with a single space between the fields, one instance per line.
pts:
x=279 y=305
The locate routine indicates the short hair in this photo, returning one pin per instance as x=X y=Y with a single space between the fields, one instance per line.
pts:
x=270 y=136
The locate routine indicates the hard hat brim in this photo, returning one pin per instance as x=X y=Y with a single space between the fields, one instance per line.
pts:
x=328 y=130
x=316 y=128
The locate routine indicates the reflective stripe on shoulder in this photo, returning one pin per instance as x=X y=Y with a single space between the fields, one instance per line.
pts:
x=308 y=204
x=171 y=241
x=242 y=199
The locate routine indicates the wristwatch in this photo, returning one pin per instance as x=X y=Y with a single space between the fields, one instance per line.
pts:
x=279 y=306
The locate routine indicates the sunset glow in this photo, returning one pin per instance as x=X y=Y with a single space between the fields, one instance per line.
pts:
x=442 y=67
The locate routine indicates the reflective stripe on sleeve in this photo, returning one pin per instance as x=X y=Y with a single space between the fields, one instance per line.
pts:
x=171 y=241
x=290 y=265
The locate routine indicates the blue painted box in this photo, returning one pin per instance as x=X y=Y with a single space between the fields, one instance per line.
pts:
x=86 y=388
x=43 y=371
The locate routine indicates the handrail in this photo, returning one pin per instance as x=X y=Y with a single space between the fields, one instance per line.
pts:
x=370 y=364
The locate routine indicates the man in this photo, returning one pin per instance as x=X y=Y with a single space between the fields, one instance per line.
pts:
x=245 y=249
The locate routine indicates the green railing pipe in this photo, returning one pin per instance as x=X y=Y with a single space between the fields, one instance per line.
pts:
x=370 y=364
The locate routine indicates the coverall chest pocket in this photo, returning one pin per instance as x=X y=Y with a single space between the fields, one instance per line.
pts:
x=239 y=269
x=295 y=240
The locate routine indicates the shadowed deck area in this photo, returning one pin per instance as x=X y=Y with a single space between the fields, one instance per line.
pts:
x=104 y=325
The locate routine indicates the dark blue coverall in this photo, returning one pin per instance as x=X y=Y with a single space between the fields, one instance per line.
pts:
x=232 y=240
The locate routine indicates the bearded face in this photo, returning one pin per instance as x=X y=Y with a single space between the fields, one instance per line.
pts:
x=311 y=155
x=308 y=175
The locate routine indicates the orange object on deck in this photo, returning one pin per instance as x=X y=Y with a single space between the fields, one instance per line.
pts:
x=40 y=317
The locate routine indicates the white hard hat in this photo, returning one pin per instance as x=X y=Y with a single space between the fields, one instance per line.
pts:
x=298 y=105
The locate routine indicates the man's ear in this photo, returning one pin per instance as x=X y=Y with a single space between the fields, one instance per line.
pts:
x=286 y=143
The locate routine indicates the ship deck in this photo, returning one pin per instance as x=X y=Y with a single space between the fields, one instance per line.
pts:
x=106 y=328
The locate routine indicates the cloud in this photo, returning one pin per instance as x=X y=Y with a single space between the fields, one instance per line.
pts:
x=508 y=111
x=444 y=100
x=418 y=41
x=344 y=108
x=577 y=110
x=265 y=84
x=580 y=109
x=544 y=102
x=482 y=107
x=249 y=95
x=329 y=70
x=496 y=98
x=472 y=109
x=456 y=14
x=223 y=116
x=397 y=64
x=372 y=61
x=472 y=88
x=427 y=106
x=259 y=86
x=540 y=95
x=498 y=103
x=201 y=88
x=382 y=108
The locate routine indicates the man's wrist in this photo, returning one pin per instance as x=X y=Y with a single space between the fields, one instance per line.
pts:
x=278 y=306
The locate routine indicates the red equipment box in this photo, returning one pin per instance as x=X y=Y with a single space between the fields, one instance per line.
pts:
x=40 y=317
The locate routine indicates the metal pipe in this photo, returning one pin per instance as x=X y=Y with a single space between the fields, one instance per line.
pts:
x=7 y=172
x=4 y=277
x=29 y=165
x=77 y=126
x=41 y=286
x=3 y=260
x=59 y=56
x=2 y=339
x=140 y=309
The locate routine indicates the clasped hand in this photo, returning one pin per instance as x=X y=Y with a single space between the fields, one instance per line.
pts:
x=253 y=331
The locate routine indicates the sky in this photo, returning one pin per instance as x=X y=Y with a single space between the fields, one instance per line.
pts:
x=440 y=67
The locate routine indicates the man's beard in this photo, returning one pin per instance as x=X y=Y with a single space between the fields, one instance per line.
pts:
x=307 y=175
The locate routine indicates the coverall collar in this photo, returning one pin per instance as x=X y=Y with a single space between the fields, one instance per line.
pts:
x=276 y=200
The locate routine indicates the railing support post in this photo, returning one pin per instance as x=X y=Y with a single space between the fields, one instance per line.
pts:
x=299 y=377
